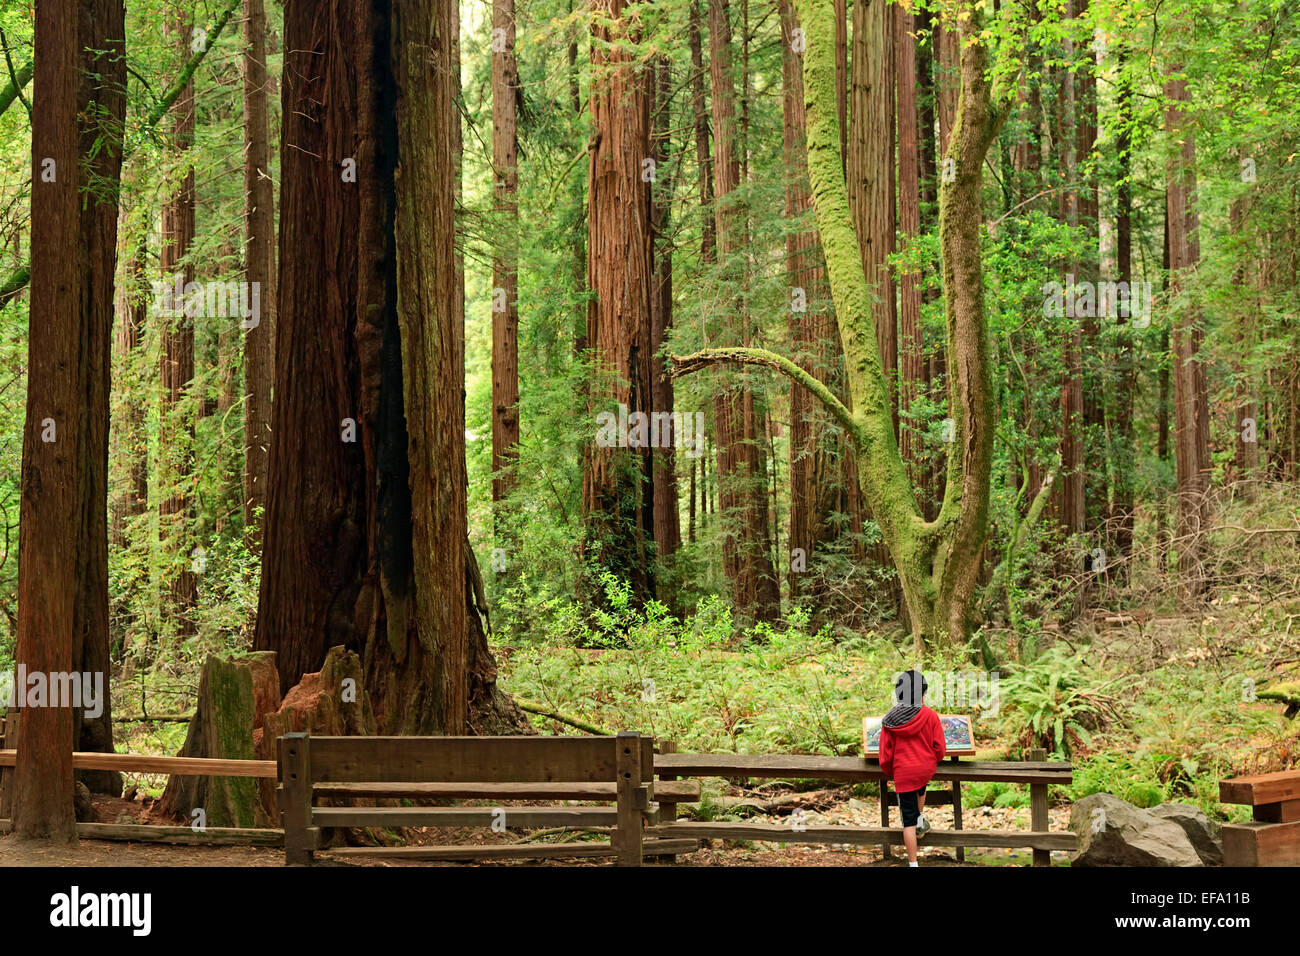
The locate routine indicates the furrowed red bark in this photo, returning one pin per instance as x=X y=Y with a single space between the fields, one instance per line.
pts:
x=79 y=102
x=617 y=491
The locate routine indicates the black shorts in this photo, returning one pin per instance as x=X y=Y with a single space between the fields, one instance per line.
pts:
x=907 y=805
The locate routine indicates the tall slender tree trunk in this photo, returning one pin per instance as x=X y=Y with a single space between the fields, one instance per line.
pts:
x=259 y=268
x=871 y=167
x=1092 y=354
x=703 y=152
x=505 y=261
x=1070 y=510
x=911 y=349
x=133 y=308
x=667 y=522
x=1191 y=413
x=806 y=278
x=79 y=104
x=1122 y=518
x=741 y=472
x=176 y=429
x=1246 y=417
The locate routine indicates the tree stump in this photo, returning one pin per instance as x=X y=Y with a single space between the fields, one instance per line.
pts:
x=330 y=702
x=222 y=728
x=266 y=700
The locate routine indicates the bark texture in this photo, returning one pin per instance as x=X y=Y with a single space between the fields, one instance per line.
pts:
x=79 y=103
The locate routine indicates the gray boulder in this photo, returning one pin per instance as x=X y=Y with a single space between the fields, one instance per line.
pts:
x=1200 y=829
x=1115 y=833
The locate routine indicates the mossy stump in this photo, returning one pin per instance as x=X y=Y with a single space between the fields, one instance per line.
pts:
x=222 y=728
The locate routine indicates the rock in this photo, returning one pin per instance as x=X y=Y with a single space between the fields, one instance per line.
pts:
x=1200 y=829
x=1114 y=833
x=81 y=803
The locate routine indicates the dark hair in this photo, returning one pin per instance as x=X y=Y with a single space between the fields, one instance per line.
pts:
x=909 y=680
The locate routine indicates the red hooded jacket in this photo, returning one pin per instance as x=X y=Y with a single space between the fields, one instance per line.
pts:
x=910 y=754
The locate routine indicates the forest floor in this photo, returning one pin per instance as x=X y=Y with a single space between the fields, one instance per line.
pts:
x=836 y=807
x=101 y=853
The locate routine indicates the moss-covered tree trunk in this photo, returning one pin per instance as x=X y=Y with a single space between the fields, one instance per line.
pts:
x=937 y=561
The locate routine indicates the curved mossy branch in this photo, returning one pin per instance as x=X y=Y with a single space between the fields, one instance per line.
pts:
x=686 y=364
x=18 y=80
x=885 y=482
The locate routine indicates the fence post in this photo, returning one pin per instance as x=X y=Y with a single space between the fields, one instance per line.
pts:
x=627 y=836
x=1039 y=820
x=667 y=807
x=294 y=795
x=956 y=810
x=885 y=852
x=8 y=741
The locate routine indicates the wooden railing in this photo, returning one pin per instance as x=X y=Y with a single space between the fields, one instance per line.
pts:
x=1038 y=774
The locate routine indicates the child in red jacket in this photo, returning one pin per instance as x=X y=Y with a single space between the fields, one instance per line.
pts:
x=911 y=746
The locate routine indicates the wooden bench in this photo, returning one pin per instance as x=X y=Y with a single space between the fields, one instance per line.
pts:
x=1037 y=774
x=616 y=769
x=1273 y=837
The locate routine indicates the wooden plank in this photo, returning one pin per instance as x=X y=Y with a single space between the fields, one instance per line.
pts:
x=1261 y=844
x=1288 y=811
x=1038 y=818
x=512 y=817
x=461 y=759
x=632 y=797
x=684 y=791
x=294 y=797
x=509 y=851
x=209 y=836
x=148 y=763
x=148 y=833
x=1261 y=788
x=775 y=833
x=774 y=766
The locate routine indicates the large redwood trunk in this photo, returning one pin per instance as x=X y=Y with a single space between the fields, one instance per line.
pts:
x=617 y=494
x=79 y=104
x=366 y=531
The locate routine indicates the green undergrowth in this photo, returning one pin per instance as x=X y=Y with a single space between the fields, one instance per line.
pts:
x=1164 y=729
